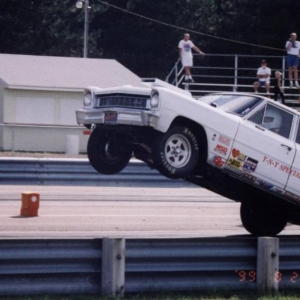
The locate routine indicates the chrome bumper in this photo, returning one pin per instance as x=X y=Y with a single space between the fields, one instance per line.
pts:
x=124 y=117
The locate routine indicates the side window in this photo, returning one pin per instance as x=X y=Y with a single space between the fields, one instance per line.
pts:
x=274 y=119
x=257 y=118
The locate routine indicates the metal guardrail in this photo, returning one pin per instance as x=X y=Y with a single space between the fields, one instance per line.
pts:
x=78 y=172
x=50 y=267
x=29 y=267
x=188 y=264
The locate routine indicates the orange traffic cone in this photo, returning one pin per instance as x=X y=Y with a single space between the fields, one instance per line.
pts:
x=30 y=204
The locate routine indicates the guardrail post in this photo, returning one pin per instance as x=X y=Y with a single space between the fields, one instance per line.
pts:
x=113 y=267
x=267 y=264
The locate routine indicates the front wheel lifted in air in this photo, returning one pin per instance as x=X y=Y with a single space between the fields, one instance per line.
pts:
x=108 y=154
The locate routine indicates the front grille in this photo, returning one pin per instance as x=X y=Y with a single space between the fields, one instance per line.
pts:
x=121 y=100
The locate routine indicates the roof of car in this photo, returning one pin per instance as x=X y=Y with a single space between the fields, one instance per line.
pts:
x=256 y=95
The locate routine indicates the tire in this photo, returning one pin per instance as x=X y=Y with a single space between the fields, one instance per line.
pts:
x=263 y=219
x=175 y=153
x=108 y=154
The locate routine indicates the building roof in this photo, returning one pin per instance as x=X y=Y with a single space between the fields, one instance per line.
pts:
x=62 y=73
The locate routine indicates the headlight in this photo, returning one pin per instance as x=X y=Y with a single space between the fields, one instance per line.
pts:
x=154 y=100
x=87 y=101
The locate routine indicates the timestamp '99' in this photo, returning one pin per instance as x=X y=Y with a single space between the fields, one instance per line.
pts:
x=250 y=276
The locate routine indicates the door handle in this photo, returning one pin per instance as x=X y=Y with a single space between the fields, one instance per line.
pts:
x=286 y=146
x=260 y=128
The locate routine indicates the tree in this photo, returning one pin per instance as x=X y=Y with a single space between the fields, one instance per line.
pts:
x=147 y=46
x=43 y=27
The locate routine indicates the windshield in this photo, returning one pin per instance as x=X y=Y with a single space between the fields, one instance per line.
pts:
x=236 y=104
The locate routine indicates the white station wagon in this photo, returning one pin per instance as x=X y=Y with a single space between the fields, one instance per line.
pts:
x=242 y=146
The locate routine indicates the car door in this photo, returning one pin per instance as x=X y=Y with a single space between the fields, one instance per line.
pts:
x=262 y=150
x=293 y=184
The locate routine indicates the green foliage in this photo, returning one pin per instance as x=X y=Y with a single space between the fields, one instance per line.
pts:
x=43 y=27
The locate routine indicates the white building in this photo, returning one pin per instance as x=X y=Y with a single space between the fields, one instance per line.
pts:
x=39 y=96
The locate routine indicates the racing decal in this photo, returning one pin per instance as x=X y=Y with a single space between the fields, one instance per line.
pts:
x=242 y=165
x=214 y=137
x=271 y=162
x=235 y=152
x=264 y=184
x=218 y=161
x=238 y=155
x=277 y=190
x=249 y=177
x=295 y=173
x=221 y=149
x=234 y=170
x=241 y=161
x=234 y=163
x=224 y=140
x=250 y=164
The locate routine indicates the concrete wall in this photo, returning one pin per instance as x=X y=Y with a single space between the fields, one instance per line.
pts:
x=43 y=120
x=46 y=139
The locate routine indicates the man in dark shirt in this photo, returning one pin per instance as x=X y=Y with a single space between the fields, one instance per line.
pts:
x=276 y=83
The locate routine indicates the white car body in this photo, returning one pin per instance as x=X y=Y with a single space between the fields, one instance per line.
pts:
x=237 y=144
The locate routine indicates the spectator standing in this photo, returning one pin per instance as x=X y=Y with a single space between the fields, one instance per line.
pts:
x=276 y=83
x=185 y=54
x=293 y=47
x=263 y=74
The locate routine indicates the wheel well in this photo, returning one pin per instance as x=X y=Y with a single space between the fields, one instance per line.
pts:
x=198 y=131
x=255 y=194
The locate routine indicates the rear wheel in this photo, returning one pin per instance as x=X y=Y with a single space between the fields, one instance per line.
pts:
x=263 y=219
x=108 y=154
x=175 y=153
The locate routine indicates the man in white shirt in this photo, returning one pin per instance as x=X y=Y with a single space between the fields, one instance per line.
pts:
x=293 y=48
x=263 y=74
x=185 y=54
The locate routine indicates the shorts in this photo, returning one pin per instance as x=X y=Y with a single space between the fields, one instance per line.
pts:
x=262 y=82
x=292 y=60
x=187 y=61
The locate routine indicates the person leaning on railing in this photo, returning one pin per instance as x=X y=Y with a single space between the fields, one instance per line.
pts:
x=185 y=47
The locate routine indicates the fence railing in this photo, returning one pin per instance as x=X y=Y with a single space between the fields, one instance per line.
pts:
x=225 y=72
x=113 y=266
x=78 y=172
